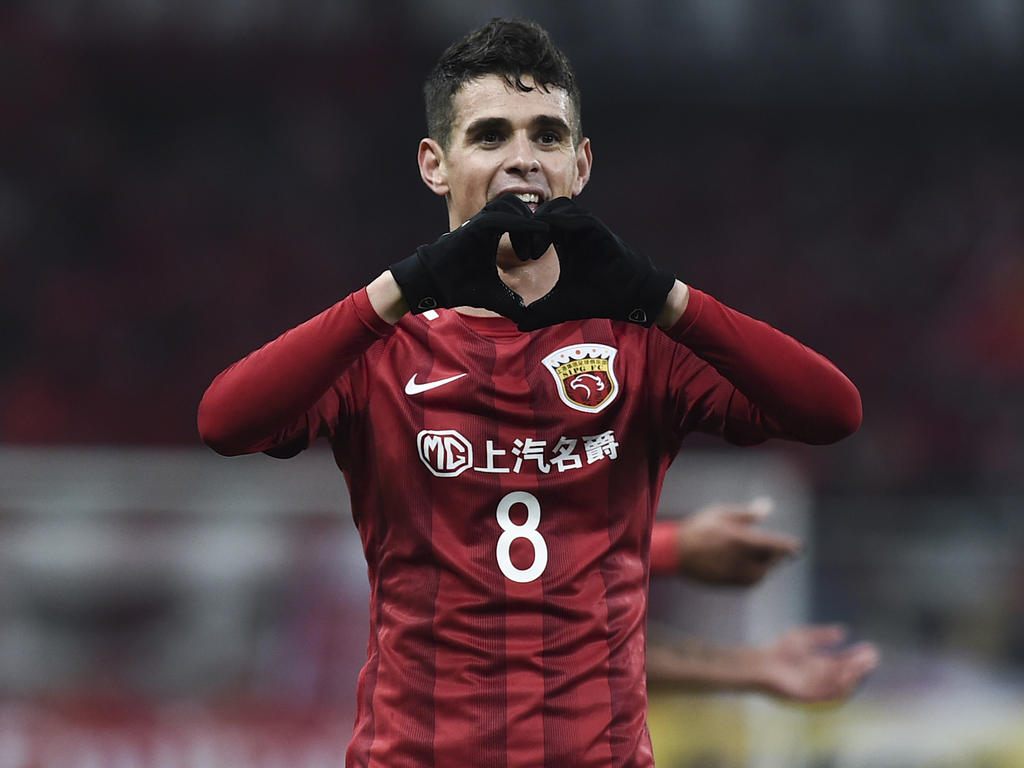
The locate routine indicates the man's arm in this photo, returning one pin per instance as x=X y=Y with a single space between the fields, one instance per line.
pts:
x=271 y=399
x=720 y=544
x=782 y=387
x=787 y=390
x=804 y=664
x=386 y=298
x=675 y=305
x=268 y=398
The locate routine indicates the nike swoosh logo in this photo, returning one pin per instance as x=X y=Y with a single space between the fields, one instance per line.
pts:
x=412 y=388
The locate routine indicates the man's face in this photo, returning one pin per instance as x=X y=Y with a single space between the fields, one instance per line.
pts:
x=504 y=140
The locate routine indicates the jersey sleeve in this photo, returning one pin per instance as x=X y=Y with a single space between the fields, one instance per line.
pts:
x=280 y=397
x=665 y=550
x=746 y=381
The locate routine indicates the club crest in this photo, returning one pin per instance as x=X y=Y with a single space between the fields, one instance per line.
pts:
x=584 y=375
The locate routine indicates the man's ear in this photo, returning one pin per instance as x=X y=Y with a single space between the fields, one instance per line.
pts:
x=432 y=166
x=584 y=162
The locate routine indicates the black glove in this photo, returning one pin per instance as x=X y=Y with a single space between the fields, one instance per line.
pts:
x=459 y=269
x=599 y=275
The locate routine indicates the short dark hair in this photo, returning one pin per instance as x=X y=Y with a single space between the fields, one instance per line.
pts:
x=511 y=48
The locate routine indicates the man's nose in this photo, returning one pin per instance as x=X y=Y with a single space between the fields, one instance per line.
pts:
x=521 y=159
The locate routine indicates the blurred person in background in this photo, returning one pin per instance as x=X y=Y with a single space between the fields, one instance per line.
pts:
x=720 y=544
x=504 y=404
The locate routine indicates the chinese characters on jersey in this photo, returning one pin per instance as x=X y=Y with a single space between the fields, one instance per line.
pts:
x=447 y=453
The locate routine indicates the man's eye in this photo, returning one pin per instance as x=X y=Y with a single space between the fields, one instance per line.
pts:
x=549 y=138
x=490 y=137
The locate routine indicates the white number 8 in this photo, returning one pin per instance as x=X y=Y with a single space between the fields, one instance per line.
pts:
x=527 y=530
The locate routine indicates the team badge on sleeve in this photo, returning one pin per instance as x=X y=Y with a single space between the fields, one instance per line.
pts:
x=584 y=375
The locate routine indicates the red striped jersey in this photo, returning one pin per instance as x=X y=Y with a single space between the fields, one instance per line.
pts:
x=504 y=486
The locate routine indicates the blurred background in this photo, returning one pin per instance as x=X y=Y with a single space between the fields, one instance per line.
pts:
x=181 y=181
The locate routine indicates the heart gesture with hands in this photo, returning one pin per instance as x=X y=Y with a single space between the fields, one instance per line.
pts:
x=599 y=275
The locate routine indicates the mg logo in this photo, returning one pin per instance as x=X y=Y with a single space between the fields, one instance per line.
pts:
x=445 y=452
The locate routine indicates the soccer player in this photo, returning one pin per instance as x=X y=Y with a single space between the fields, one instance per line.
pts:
x=504 y=404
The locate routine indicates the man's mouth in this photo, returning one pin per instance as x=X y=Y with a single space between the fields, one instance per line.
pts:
x=532 y=199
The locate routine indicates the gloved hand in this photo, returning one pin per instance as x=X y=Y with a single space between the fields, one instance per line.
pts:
x=459 y=269
x=599 y=275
